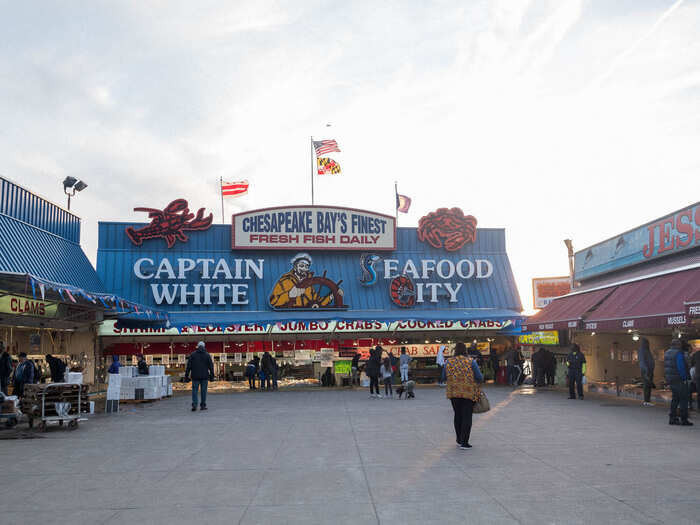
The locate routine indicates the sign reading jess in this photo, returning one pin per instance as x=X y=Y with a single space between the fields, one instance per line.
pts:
x=313 y=227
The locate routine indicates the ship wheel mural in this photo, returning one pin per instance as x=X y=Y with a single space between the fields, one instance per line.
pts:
x=299 y=288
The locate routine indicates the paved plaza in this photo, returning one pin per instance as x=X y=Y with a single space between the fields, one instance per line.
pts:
x=339 y=457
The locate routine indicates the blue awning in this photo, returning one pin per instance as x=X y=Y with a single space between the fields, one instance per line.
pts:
x=26 y=249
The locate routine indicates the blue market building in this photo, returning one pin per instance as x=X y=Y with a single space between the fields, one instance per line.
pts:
x=300 y=279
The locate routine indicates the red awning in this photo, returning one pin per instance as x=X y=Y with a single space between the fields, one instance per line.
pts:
x=658 y=302
x=567 y=311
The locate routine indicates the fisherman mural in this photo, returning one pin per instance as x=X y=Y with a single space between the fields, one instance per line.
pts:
x=300 y=288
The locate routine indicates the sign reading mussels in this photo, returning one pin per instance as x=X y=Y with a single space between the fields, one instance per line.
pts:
x=313 y=227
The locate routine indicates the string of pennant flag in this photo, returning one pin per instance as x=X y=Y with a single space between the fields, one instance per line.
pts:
x=109 y=301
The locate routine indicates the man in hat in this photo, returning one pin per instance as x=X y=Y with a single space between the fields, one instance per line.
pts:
x=287 y=293
x=24 y=374
x=201 y=367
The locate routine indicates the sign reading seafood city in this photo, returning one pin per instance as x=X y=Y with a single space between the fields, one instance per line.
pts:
x=313 y=228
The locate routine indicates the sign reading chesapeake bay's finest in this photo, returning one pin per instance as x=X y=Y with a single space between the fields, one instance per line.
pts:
x=313 y=227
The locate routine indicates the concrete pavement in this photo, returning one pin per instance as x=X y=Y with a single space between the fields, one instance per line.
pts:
x=339 y=457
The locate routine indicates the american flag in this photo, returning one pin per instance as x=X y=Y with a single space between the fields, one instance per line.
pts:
x=234 y=189
x=325 y=146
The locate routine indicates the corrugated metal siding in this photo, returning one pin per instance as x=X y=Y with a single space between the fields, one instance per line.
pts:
x=116 y=256
x=28 y=249
x=23 y=205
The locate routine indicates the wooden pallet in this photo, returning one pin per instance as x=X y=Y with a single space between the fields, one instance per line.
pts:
x=135 y=401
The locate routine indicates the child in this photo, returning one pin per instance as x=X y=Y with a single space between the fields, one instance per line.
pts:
x=386 y=372
x=404 y=359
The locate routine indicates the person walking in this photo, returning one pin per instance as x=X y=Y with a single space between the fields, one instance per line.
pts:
x=24 y=375
x=440 y=362
x=250 y=372
x=493 y=359
x=550 y=367
x=576 y=362
x=463 y=378
x=355 y=368
x=372 y=370
x=404 y=360
x=646 y=367
x=5 y=368
x=386 y=372
x=58 y=368
x=201 y=367
x=677 y=376
x=538 y=367
x=275 y=371
x=266 y=365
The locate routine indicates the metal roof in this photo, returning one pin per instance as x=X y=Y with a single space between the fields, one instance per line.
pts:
x=27 y=249
x=495 y=297
x=21 y=204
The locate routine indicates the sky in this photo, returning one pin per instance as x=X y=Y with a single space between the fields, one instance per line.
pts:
x=552 y=119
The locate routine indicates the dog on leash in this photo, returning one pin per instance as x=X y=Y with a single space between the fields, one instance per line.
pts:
x=406 y=388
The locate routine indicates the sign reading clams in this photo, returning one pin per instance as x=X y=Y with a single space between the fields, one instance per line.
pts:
x=313 y=227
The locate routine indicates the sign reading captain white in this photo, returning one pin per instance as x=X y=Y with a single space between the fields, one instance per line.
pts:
x=313 y=227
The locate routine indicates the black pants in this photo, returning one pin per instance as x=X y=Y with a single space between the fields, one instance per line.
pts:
x=3 y=384
x=251 y=382
x=679 y=400
x=463 y=409
x=387 y=386
x=647 y=388
x=575 y=384
x=374 y=384
x=549 y=376
x=539 y=376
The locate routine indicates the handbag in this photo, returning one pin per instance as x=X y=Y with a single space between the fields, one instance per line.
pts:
x=482 y=404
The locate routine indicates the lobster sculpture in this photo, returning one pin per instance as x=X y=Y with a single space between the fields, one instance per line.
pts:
x=449 y=229
x=170 y=223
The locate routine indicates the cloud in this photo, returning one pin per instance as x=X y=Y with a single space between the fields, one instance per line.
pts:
x=480 y=105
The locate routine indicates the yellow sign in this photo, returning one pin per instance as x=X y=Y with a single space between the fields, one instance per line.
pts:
x=14 y=304
x=540 y=338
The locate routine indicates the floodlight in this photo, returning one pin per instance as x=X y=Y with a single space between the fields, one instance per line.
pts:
x=80 y=186
x=69 y=181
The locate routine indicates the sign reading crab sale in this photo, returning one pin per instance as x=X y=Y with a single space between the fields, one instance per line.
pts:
x=313 y=227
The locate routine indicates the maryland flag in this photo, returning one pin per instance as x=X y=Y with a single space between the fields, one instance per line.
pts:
x=327 y=166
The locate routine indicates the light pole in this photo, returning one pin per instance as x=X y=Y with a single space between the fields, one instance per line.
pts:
x=73 y=184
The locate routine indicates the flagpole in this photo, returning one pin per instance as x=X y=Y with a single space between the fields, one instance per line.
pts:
x=312 y=170
x=396 y=202
x=221 y=186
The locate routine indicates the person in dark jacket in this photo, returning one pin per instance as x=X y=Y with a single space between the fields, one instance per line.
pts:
x=355 y=368
x=576 y=362
x=695 y=362
x=24 y=375
x=5 y=368
x=266 y=364
x=57 y=368
x=275 y=372
x=646 y=367
x=372 y=370
x=493 y=359
x=677 y=377
x=250 y=372
x=550 y=367
x=539 y=359
x=114 y=367
x=143 y=367
x=201 y=367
